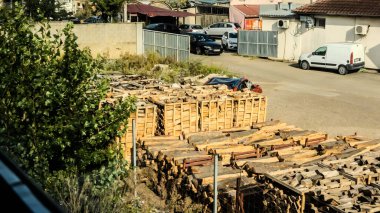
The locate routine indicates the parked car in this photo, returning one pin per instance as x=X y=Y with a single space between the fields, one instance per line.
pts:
x=203 y=44
x=93 y=20
x=191 y=28
x=220 y=28
x=163 y=27
x=343 y=57
x=235 y=84
x=229 y=41
x=75 y=20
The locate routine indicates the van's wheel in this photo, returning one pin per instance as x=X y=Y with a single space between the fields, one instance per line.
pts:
x=342 y=70
x=305 y=65
x=198 y=50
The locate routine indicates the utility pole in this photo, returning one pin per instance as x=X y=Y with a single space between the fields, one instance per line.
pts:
x=125 y=15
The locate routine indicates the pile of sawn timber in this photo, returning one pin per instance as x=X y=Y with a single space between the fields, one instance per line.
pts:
x=274 y=160
x=174 y=110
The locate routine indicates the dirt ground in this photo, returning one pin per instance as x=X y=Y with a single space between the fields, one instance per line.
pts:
x=317 y=99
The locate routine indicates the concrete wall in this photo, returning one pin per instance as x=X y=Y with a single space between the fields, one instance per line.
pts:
x=111 y=39
x=298 y=39
x=289 y=40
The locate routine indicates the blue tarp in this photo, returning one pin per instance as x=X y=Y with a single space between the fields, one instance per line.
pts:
x=230 y=82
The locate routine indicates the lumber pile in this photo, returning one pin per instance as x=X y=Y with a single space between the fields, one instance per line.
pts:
x=282 y=168
x=188 y=108
x=176 y=115
x=146 y=120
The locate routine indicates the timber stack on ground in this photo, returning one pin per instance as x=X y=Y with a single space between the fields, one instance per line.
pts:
x=268 y=167
x=174 y=110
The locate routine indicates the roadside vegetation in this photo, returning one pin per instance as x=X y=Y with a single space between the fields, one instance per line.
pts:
x=51 y=122
x=154 y=66
x=53 y=125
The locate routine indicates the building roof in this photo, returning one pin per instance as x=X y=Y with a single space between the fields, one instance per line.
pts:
x=249 y=11
x=278 y=10
x=152 y=11
x=368 y=8
x=200 y=2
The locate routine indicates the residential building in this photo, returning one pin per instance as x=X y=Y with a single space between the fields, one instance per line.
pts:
x=139 y=12
x=261 y=2
x=207 y=12
x=247 y=16
x=341 y=21
x=281 y=19
x=72 y=6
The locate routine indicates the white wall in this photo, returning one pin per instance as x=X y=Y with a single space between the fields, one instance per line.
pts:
x=289 y=40
x=342 y=29
x=110 y=39
x=298 y=39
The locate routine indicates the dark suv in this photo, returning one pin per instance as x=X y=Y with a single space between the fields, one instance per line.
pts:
x=163 y=27
x=203 y=44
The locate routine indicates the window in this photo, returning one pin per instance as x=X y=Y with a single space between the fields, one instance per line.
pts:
x=220 y=25
x=320 y=22
x=184 y=26
x=237 y=25
x=321 y=51
x=214 y=26
x=229 y=25
x=198 y=27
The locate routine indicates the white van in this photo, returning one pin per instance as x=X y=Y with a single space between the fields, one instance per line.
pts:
x=343 y=57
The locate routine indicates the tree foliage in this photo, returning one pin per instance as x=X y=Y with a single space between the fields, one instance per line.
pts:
x=49 y=101
x=108 y=8
x=38 y=9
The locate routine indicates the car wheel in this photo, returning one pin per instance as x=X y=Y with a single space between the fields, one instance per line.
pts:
x=305 y=65
x=198 y=51
x=342 y=70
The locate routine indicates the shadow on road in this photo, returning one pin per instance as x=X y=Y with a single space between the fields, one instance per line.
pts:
x=295 y=65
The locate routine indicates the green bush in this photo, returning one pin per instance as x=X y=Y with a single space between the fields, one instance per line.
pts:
x=145 y=66
x=51 y=120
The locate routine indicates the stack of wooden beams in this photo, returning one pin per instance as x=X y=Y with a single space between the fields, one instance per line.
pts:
x=291 y=169
x=188 y=109
x=146 y=121
x=176 y=115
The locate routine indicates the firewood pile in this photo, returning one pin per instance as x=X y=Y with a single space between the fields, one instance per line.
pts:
x=282 y=169
x=188 y=108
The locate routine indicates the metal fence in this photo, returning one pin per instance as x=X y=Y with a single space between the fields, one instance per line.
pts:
x=257 y=43
x=167 y=44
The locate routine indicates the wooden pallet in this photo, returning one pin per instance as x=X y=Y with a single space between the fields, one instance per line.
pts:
x=178 y=118
x=216 y=114
x=146 y=121
x=249 y=111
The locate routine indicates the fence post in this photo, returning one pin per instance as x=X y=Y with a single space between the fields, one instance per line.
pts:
x=134 y=151
x=216 y=183
x=178 y=51
x=154 y=41
x=166 y=47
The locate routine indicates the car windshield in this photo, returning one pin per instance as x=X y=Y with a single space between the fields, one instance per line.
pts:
x=237 y=25
x=198 y=27
x=233 y=35
x=203 y=38
x=151 y=26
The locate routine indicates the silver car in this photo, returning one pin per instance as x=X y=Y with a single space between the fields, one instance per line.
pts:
x=229 y=41
x=218 y=29
x=191 y=28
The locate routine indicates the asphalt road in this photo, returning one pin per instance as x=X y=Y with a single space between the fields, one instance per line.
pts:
x=316 y=100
